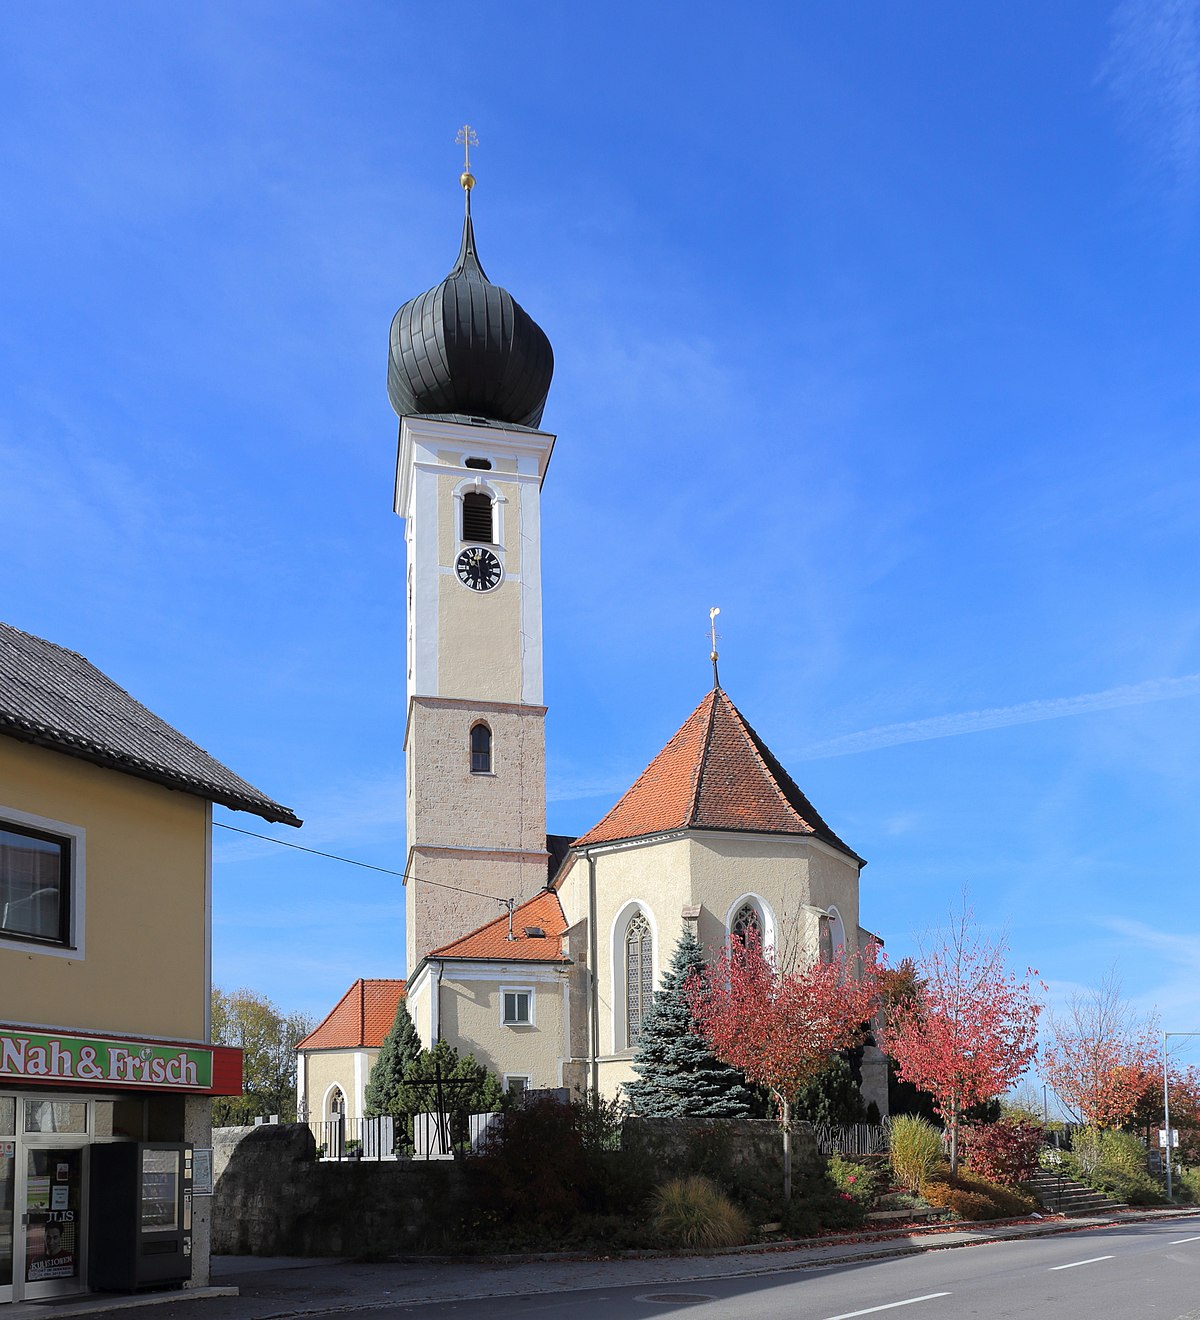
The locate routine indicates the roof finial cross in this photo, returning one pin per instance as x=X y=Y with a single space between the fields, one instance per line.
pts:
x=467 y=138
x=712 y=627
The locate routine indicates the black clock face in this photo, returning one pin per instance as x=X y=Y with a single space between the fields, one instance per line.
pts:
x=478 y=568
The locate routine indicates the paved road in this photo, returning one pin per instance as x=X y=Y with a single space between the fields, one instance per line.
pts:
x=1148 y=1271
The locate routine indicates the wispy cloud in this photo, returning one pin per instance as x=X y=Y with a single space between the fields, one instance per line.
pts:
x=1153 y=73
x=1002 y=717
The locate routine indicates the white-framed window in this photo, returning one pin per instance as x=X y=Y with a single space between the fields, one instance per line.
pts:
x=639 y=975
x=516 y=1006
x=516 y=1084
x=748 y=915
x=41 y=884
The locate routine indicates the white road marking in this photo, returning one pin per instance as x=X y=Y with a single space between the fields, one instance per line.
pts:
x=1180 y=1241
x=1091 y=1260
x=888 y=1306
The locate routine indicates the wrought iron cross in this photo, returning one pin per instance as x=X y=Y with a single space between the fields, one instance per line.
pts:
x=467 y=138
x=712 y=627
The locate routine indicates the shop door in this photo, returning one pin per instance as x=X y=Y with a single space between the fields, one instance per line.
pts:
x=52 y=1260
x=8 y=1202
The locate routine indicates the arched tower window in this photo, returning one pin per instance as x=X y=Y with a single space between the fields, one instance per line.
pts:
x=639 y=975
x=746 y=924
x=481 y=749
x=477 y=517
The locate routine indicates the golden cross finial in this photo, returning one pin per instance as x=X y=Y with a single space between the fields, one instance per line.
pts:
x=467 y=138
x=712 y=627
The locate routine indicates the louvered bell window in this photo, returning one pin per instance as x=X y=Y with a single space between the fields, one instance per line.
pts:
x=477 y=518
x=639 y=976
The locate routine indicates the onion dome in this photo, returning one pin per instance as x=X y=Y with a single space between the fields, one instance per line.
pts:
x=468 y=348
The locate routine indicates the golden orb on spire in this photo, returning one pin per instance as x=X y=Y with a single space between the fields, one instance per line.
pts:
x=467 y=179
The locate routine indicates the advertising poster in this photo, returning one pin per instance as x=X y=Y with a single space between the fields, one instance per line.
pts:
x=50 y=1246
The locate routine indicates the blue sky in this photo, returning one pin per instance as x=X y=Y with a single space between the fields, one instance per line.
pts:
x=875 y=325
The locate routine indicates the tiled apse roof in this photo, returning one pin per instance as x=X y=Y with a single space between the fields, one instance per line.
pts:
x=542 y=912
x=360 y=1019
x=716 y=773
x=57 y=699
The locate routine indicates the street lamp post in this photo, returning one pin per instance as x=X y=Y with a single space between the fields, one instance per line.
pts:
x=1167 y=1101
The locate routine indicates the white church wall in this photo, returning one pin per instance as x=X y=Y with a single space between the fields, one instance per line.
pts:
x=348 y=1069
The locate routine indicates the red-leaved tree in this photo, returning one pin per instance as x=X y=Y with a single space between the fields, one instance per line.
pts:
x=782 y=1027
x=1101 y=1057
x=970 y=1031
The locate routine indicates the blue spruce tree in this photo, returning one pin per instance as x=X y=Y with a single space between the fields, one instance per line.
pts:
x=679 y=1077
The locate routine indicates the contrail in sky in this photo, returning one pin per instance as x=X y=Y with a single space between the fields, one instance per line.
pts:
x=1001 y=717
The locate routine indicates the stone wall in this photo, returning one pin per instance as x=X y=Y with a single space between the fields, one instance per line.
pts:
x=273 y=1197
x=744 y=1155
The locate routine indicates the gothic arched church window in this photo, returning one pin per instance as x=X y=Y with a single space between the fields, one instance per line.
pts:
x=337 y=1103
x=481 y=750
x=746 y=923
x=477 y=517
x=639 y=975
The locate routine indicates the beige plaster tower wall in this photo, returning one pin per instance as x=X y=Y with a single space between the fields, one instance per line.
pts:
x=473 y=657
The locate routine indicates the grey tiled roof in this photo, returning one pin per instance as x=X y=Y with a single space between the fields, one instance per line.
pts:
x=56 y=698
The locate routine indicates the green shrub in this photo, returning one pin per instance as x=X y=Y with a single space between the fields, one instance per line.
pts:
x=693 y=1212
x=1185 y=1183
x=818 y=1205
x=916 y=1150
x=1114 y=1163
x=857 y=1180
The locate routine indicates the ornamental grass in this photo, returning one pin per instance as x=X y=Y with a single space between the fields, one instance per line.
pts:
x=916 y=1150
x=694 y=1212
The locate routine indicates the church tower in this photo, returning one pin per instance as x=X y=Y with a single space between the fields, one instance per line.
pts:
x=468 y=375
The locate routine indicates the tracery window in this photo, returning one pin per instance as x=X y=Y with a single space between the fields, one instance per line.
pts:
x=639 y=975
x=747 y=924
x=337 y=1104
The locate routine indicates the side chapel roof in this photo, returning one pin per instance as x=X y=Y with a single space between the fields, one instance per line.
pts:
x=716 y=773
x=543 y=912
x=360 y=1019
x=55 y=698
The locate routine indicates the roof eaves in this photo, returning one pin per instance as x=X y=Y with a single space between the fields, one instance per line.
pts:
x=42 y=735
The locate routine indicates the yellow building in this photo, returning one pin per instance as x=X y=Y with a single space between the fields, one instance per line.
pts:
x=105 y=977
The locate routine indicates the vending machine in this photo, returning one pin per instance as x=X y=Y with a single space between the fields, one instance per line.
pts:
x=141 y=1215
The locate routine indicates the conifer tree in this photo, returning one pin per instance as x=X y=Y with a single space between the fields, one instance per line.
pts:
x=680 y=1077
x=399 y=1052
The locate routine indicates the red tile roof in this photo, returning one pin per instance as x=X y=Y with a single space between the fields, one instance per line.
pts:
x=360 y=1019
x=542 y=912
x=716 y=773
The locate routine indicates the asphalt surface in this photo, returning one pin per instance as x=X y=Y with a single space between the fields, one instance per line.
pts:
x=1144 y=1264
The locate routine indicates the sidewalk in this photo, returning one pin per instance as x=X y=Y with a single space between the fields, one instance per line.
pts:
x=271 y=1288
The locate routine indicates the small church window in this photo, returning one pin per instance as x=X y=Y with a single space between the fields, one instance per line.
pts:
x=747 y=924
x=481 y=750
x=337 y=1104
x=477 y=517
x=639 y=975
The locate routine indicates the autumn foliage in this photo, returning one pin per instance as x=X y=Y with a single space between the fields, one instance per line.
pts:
x=1005 y=1152
x=970 y=1029
x=1101 y=1059
x=782 y=1028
